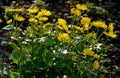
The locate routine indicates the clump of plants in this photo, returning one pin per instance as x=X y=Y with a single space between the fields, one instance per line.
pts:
x=46 y=45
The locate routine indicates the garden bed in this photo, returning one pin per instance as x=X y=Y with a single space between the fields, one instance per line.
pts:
x=107 y=11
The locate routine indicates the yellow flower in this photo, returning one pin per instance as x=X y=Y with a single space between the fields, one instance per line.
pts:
x=99 y=24
x=92 y=34
x=63 y=37
x=43 y=18
x=43 y=12
x=61 y=21
x=9 y=10
x=86 y=26
x=65 y=27
x=111 y=27
x=33 y=20
x=14 y=10
x=0 y=20
x=18 y=18
x=62 y=24
x=81 y=6
x=88 y=52
x=9 y=21
x=40 y=14
x=19 y=10
x=110 y=34
x=111 y=45
x=96 y=64
x=75 y=12
x=96 y=56
x=46 y=12
x=85 y=20
x=33 y=10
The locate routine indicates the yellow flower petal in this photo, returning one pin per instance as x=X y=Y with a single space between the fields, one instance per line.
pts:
x=43 y=18
x=111 y=27
x=75 y=12
x=63 y=37
x=96 y=64
x=9 y=21
x=99 y=24
x=81 y=6
x=96 y=56
x=0 y=20
x=18 y=18
x=33 y=10
x=110 y=34
x=33 y=20
x=92 y=34
x=85 y=20
x=88 y=52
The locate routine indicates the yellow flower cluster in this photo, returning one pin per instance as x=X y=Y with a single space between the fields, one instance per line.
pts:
x=42 y=15
x=88 y=52
x=96 y=65
x=0 y=20
x=18 y=18
x=63 y=37
x=99 y=24
x=79 y=7
x=36 y=15
x=14 y=10
x=62 y=24
x=111 y=33
x=33 y=10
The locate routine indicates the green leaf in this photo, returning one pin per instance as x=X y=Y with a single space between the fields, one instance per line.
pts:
x=1 y=67
x=16 y=55
x=13 y=45
x=11 y=74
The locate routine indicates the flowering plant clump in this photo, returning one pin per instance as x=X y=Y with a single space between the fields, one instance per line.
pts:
x=49 y=47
